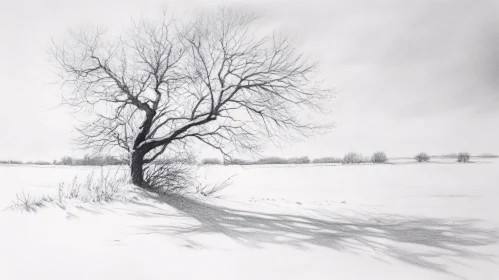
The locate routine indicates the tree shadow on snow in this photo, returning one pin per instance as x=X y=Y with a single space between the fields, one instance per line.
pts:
x=422 y=242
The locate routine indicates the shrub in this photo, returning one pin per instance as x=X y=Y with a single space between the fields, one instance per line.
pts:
x=352 y=158
x=422 y=157
x=211 y=161
x=169 y=176
x=327 y=160
x=379 y=157
x=463 y=157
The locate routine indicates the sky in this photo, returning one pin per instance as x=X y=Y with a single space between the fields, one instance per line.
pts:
x=409 y=76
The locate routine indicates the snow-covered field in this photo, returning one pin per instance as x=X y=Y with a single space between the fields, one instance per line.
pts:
x=393 y=221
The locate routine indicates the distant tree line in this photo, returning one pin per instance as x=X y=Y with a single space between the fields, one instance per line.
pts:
x=24 y=162
x=10 y=162
x=349 y=158
x=91 y=161
x=461 y=157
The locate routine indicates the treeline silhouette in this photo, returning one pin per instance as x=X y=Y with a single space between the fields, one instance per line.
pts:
x=67 y=160
x=349 y=158
x=92 y=161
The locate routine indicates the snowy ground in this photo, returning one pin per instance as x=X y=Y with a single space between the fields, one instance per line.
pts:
x=400 y=221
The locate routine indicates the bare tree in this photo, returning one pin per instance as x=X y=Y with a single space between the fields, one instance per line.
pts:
x=161 y=85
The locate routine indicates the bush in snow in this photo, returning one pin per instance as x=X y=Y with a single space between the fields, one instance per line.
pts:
x=170 y=176
x=463 y=157
x=379 y=157
x=352 y=158
x=422 y=157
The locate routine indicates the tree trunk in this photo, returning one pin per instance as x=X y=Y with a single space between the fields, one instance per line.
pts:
x=137 y=169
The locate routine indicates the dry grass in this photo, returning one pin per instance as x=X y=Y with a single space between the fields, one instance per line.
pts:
x=105 y=187
x=211 y=189
x=28 y=203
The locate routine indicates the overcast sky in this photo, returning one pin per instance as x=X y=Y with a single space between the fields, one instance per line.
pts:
x=411 y=76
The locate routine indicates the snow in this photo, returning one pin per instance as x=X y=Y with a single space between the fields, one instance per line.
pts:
x=394 y=221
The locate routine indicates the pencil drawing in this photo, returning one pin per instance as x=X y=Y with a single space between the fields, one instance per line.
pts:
x=249 y=139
